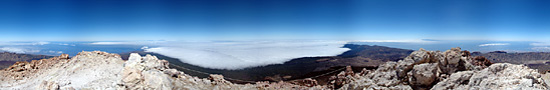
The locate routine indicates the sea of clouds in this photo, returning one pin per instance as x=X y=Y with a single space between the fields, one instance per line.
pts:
x=233 y=55
x=242 y=54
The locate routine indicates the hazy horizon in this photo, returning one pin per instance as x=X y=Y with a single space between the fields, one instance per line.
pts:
x=113 y=20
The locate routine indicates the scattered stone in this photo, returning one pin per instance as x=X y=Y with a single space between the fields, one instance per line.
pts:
x=310 y=82
x=496 y=77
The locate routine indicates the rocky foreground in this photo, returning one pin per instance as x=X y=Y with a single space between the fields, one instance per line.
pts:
x=452 y=69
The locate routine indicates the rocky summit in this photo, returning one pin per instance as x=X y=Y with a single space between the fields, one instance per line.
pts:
x=421 y=70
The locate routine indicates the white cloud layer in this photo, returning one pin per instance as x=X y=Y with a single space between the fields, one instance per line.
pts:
x=18 y=50
x=243 y=54
x=24 y=43
x=127 y=42
x=40 y=43
x=67 y=44
x=543 y=49
x=57 y=52
x=109 y=43
x=411 y=41
x=494 y=44
x=540 y=44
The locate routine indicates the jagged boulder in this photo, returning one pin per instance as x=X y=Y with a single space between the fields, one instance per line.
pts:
x=383 y=78
x=310 y=82
x=424 y=74
x=481 y=61
x=453 y=56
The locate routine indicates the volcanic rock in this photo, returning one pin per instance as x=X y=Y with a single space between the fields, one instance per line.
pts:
x=452 y=69
x=431 y=69
x=496 y=77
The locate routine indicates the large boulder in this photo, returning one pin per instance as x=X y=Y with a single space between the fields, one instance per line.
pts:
x=384 y=78
x=423 y=74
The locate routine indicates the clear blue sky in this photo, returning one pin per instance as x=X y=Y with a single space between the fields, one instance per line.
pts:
x=59 y=20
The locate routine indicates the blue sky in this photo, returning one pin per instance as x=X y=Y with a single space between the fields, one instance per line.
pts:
x=100 y=20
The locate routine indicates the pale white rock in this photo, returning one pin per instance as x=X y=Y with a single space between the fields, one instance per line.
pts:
x=87 y=70
x=418 y=55
x=423 y=74
x=453 y=56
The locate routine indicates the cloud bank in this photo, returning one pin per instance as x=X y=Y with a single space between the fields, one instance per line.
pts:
x=126 y=42
x=494 y=44
x=24 y=43
x=18 y=50
x=540 y=44
x=242 y=54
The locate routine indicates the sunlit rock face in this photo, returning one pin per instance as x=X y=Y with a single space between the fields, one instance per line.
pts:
x=91 y=70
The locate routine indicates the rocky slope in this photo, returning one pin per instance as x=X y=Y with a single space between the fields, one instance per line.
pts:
x=7 y=58
x=452 y=69
x=535 y=60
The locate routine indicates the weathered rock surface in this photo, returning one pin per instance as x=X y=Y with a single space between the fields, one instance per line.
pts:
x=87 y=70
x=422 y=70
x=423 y=74
x=496 y=77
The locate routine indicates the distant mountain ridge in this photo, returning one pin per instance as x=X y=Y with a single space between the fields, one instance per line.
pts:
x=535 y=60
x=8 y=58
